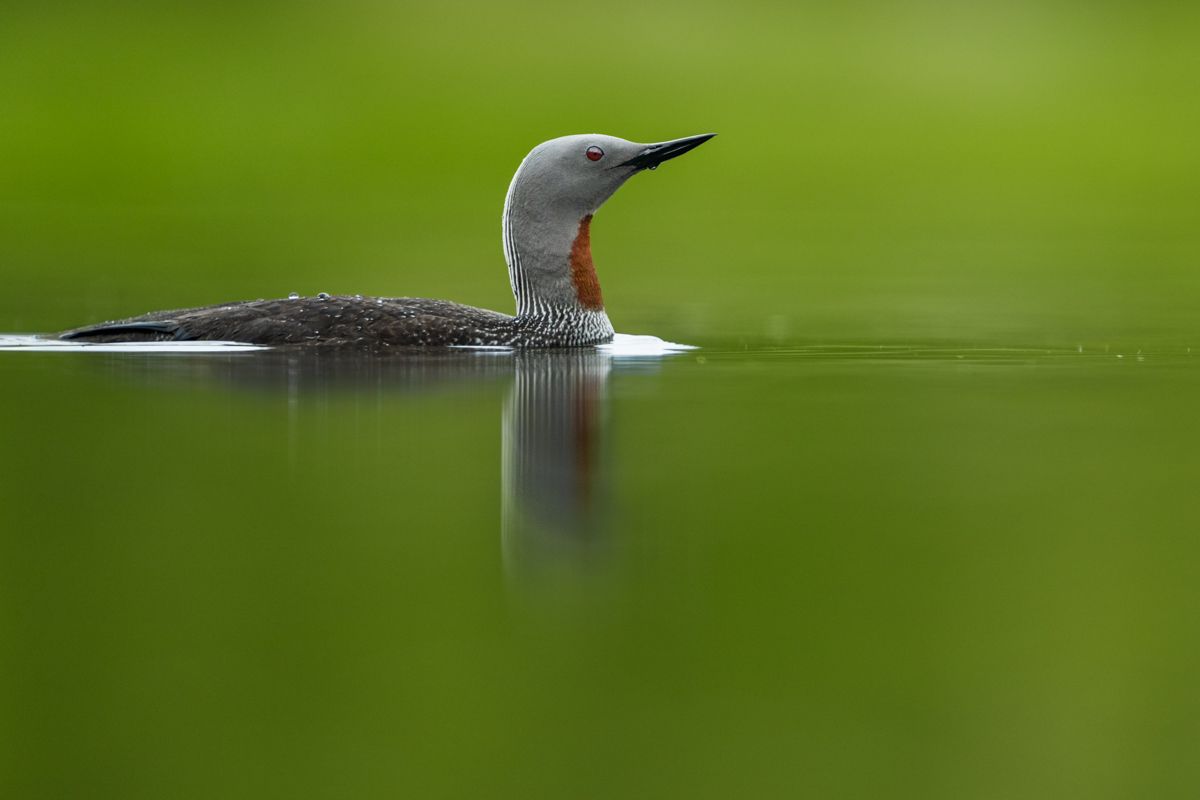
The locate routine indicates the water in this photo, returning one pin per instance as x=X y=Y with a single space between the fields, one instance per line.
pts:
x=738 y=570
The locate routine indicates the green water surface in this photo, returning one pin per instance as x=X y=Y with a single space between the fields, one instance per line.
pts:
x=731 y=571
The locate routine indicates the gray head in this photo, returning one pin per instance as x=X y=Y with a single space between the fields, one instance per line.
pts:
x=547 y=215
x=581 y=172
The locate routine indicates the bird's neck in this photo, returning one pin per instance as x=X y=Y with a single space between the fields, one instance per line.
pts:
x=549 y=255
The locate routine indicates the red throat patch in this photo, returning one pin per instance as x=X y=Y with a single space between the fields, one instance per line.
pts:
x=583 y=271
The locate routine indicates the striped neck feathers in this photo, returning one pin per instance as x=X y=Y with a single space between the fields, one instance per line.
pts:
x=549 y=256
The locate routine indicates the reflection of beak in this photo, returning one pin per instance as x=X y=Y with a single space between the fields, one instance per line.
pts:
x=656 y=154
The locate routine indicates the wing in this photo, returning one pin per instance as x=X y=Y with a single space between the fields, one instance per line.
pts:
x=325 y=320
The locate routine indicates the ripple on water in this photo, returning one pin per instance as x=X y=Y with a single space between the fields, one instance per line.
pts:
x=42 y=344
x=622 y=345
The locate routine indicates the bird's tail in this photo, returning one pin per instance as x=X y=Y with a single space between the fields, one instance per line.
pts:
x=127 y=332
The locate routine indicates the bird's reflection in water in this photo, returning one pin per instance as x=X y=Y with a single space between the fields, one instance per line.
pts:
x=553 y=476
x=554 y=501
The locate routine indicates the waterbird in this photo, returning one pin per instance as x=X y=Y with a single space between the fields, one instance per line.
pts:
x=546 y=229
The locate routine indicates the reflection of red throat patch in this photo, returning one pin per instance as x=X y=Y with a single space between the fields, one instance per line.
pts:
x=583 y=271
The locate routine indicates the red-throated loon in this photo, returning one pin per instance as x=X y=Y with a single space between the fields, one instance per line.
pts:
x=547 y=215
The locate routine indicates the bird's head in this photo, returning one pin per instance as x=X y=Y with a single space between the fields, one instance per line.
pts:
x=580 y=172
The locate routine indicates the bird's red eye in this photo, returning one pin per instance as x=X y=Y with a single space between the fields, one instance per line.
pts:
x=594 y=153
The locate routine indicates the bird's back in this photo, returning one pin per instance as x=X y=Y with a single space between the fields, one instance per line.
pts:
x=374 y=322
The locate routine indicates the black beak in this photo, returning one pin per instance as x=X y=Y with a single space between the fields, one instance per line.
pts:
x=656 y=154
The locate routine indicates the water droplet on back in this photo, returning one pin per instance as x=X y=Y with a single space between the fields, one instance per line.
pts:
x=294 y=296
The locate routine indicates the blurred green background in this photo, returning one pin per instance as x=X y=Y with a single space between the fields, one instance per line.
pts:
x=911 y=567
x=1017 y=173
